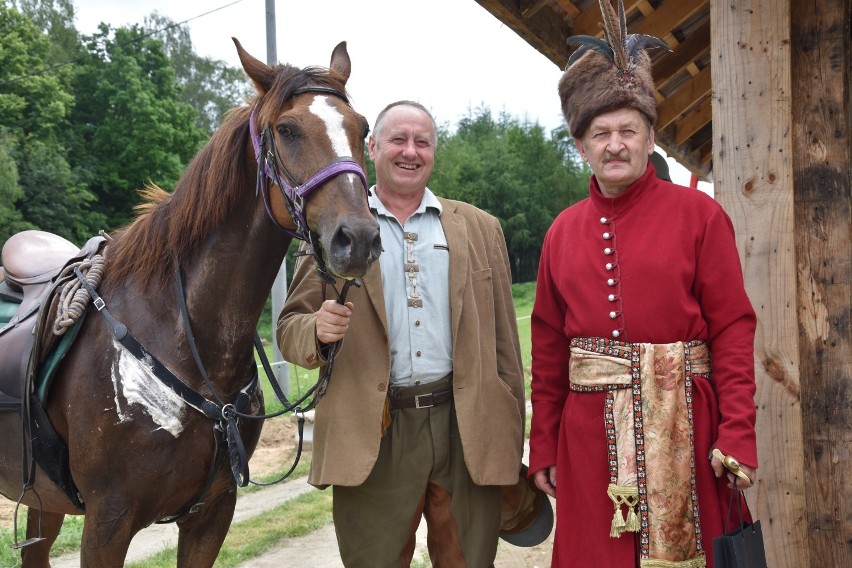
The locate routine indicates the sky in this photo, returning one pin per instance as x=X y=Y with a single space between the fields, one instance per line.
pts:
x=452 y=56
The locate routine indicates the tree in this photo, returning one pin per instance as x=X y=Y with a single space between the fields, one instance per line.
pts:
x=130 y=126
x=11 y=220
x=514 y=172
x=210 y=86
x=34 y=106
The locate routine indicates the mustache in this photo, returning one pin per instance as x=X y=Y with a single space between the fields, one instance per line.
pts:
x=623 y=155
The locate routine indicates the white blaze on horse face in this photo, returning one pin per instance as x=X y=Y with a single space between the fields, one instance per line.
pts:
x=333 y=120
x=135 y=379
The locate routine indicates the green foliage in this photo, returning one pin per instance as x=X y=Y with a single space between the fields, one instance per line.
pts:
x=130 y=127
x=35 y=102
x=208 y=85
x=514 y=172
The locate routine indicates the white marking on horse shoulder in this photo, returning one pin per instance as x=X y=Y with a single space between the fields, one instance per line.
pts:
x=333 y=124
x=135 y=380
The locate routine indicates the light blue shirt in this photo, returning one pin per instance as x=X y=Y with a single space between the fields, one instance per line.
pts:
x=415 y=267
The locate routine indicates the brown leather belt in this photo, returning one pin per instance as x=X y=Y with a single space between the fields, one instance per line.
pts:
x=425 y=400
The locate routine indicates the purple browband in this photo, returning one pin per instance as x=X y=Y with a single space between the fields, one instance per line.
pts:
x=297 y=195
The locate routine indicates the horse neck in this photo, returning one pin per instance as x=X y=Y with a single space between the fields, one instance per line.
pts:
x=227 y=284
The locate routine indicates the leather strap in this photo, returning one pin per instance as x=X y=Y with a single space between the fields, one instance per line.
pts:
x=426 y=400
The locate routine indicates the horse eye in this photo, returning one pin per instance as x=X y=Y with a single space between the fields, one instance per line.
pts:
x=286 y=133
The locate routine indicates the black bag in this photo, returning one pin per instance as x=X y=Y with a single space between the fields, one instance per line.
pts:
x=742 y=548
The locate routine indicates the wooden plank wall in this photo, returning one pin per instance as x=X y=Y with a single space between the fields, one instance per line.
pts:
x=822 y=177
x=754 y=181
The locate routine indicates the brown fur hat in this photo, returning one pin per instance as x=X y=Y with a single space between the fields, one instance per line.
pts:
x=608 y=74
x=593 y=85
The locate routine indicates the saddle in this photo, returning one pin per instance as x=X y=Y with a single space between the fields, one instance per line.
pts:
x=32 y=262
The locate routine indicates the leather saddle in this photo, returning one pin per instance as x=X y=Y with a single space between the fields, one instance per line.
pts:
x=31 y=260
x=32 y=272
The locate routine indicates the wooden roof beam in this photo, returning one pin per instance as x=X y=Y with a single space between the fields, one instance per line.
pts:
x=687 y=97
x=568 y=7
x=533 y=9
x=682 y=56
x=693 y=121
x=587 y=22
x=669 y=16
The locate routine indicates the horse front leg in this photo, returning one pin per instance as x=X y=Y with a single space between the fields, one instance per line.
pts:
x=201 y=534
x=45 y=525
x=107 y=532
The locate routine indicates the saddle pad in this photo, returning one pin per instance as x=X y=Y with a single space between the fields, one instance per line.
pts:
x=7 y=310
x=9 y=302
x=48 y=368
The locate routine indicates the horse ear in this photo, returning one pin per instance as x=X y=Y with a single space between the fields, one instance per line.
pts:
x=340 y=61
x=259 y=72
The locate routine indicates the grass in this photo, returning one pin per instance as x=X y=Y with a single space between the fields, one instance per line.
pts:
x=249 y=539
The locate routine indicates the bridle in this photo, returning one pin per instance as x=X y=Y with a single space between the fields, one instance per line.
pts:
x=271 y=167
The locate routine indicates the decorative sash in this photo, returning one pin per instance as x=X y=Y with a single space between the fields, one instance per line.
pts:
x=648 y=415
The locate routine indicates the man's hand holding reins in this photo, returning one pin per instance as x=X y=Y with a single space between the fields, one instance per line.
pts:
x=333 y=321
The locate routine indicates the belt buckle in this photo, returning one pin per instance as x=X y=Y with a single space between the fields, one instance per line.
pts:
x=417 y=401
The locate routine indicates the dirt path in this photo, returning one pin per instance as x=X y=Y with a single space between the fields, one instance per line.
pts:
x=315 y=550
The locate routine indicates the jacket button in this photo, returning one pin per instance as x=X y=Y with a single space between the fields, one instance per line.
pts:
x=382 y=387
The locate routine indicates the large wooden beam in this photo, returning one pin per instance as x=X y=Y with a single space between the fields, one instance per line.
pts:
x=753 y=175
x=822 y=175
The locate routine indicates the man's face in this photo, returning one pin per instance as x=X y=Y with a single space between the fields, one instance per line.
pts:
x=403 y=150
x=617 y=145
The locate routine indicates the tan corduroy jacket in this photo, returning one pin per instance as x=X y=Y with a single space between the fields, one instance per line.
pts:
x=487 y=371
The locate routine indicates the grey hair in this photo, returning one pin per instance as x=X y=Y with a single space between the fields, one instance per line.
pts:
x=377 y=128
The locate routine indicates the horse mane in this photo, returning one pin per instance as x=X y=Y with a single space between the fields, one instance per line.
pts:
x=169 y=226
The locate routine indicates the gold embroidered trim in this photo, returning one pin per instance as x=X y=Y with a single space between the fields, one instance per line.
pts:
x=698 y=562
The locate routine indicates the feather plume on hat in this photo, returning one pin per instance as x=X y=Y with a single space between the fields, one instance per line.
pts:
x=607 y=74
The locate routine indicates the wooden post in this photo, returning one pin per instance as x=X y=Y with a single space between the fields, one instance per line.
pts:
x=754 y=182
x=822 y=177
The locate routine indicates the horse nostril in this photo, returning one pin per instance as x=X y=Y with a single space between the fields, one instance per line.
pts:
x=341 y=244
x=376 y=248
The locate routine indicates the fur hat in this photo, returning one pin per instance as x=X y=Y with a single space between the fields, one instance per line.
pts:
x=608 y=74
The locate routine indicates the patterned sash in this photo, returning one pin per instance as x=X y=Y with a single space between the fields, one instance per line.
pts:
x=648 y=415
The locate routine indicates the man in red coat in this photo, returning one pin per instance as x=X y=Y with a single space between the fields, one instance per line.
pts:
x=642 y=341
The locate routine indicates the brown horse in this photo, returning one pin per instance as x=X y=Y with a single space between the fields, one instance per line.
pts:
x=138 y=452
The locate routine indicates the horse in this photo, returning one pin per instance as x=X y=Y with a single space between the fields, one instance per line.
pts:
x=288 y=164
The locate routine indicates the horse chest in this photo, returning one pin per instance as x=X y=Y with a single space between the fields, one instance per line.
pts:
x=136 y=386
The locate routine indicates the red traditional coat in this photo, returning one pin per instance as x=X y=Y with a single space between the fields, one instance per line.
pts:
x=657 y=264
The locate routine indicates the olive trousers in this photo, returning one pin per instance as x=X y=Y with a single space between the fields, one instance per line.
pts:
x=420 y=471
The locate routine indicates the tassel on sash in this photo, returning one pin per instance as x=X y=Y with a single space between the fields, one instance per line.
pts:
x=622 y=495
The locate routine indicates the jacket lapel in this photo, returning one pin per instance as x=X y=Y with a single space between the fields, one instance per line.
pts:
x=372 y=282
x=456 y=232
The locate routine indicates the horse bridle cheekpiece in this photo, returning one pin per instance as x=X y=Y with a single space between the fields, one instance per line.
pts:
x=271 y=166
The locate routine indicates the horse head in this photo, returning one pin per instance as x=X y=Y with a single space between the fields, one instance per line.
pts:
x=309 y=143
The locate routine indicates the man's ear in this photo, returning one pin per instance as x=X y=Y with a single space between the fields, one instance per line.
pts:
x=579 y=144
x=371 y=147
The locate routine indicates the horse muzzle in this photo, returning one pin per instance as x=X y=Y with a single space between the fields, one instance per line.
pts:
x=352 y=248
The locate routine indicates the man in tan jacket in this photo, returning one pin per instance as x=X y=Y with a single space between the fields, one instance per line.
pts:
x=425 y=411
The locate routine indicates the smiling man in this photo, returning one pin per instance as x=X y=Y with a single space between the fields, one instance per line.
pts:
x=424 y=415
x=642 y=338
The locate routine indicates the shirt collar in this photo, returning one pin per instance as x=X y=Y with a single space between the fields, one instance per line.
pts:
x=428 y=201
